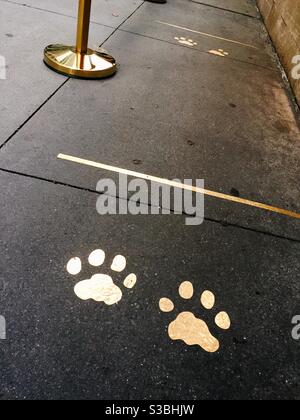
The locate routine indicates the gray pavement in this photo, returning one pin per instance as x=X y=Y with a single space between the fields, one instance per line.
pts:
x=246 y=7
x=198 y=94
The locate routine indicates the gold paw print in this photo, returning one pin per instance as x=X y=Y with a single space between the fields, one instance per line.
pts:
x=185 y=41
x=219 y=52
x=191 y=330
x=101 y=287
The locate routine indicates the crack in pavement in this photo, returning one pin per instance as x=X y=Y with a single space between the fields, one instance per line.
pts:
x=223 y=223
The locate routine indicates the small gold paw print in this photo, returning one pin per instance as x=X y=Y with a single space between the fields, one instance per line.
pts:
x=219 y=52
x=185 y=41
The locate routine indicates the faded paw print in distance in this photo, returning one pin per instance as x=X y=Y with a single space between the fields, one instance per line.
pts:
x=188 y=328
x=101 y=287
x=185 y=41
x=219 y=52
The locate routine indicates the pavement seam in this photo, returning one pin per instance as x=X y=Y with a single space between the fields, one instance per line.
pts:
x=33 y=114
x=225 y=10
x=223 y=223
x=122 y=23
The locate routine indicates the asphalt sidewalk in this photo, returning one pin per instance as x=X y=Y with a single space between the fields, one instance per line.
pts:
x=198 y=94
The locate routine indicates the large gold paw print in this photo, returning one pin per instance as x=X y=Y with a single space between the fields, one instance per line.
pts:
x=188 y=328
x=101 y=287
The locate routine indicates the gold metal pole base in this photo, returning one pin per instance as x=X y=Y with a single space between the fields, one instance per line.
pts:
x=92 y=65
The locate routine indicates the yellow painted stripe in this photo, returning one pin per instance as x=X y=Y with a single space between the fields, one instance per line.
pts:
x=179 y=185
x=232 y=41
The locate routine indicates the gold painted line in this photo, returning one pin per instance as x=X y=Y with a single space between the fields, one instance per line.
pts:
x=180 y=185
x=208 y=35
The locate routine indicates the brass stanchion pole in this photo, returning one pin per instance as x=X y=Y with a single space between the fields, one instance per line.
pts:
x=83 y=26
x=80 y=61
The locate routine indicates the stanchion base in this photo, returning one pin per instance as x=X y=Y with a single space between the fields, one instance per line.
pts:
x=92 y=65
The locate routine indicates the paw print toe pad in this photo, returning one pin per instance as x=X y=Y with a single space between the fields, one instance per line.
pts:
x=119 y=264
x=166 y=305
x=186 y=290
x=74 y=266
x=97 y=258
